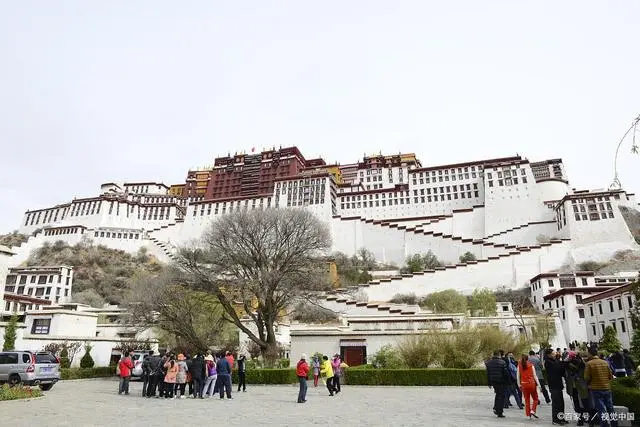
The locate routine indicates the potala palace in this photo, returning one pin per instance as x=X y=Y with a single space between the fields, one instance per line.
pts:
x=522 y=220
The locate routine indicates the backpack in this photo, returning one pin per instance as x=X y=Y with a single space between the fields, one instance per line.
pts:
x=211 y=369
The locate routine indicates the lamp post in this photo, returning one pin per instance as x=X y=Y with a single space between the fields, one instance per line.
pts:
x=616 y=185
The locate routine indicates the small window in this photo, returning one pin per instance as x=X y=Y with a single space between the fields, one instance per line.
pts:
x=581 y=313
x=26 y=358
x=623 y=326
x=41 y=326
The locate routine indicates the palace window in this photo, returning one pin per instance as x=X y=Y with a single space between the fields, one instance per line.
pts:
x=41 y=326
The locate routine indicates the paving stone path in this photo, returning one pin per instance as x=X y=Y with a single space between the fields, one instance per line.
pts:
x=96 y=403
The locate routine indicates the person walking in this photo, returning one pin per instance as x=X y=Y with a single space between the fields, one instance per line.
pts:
x=534 y=359
x=198 y=375
x=181 y=377
x=555 y=374
x=170 y=377
x=189 y=363
x=223 y=367
x=577 y=387
x=212 y=376
x=302 y=370
x=242 y=369
x=326 y=370
x=125 y=366
x=336 y=365
x=512 y=388
x=598 y=375
x=316 y=370
x=528 y=382
x=497 y=377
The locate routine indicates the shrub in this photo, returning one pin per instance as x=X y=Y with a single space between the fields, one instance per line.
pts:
x=268 y=376
x=18 y=392
x=609 y=342
x=626 y=393
x=87 y=360
x=467 y=256
x=80 y=373
x=387 y=357
x=416 y=377
x=404 y=299
x=419 y=351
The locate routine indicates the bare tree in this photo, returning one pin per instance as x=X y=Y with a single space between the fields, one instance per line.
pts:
x=520 y=303
x=194 y=319
x=265 y=260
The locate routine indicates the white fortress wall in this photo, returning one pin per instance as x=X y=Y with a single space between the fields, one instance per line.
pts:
x=512 y=271
x=528 y=234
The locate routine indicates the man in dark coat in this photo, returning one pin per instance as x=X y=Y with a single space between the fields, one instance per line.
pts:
x=198 y=375
x=498 y=378
x=555 y=373
x=149 y=365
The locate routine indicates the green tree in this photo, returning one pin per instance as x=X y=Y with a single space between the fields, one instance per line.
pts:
x=467 y=256
x=483 y=303
x=10 y=334
x=421 y=262
x=609 y=341
x=388 y=357
x=87 y=360
x=447 y=301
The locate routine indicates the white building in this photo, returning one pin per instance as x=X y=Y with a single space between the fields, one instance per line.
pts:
x=99 y=327
x=519 y=218
x=360 y=336
x=5 y=255
x=53 y=283
x=610 y=308
x=564 y=293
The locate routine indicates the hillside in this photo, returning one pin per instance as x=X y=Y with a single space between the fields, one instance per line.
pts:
x=12 y=239
x=100 y=274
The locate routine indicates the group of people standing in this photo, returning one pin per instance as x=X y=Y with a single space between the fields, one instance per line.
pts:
x=329 y=371
x=587 y=377
x=167 y=376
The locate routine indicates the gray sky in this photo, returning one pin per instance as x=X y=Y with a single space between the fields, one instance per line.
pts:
x=129 y=90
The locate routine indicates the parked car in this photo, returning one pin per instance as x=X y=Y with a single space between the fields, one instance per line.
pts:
x=137 y=358
x=30 y=368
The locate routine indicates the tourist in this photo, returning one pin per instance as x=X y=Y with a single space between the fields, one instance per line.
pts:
x=242 y=367
x=231 y=361
x=555 y=374
x=336 y=365
x=125 y=365
x=629 y=363
x=316 y=370
x=161 y=373
x=181 y=377
x=302 y=370
x=224 y=376
x=153 y=363
x=198 y=375
x=512 y=388
x=528 y=383
x=598 y=375
x=497 y=377
x=146 y=373
x=619 y=368
x=170 y=377
x=326 y=370
x=577 y=386
x=212 y=376
x=534 y=359
x=189 y=362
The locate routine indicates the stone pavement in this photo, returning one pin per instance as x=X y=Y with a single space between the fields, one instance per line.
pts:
x=96 y=403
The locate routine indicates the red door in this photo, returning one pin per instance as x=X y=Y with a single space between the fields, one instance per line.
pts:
x=354 y=356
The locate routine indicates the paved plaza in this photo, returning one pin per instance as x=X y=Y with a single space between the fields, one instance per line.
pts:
x=96 y=403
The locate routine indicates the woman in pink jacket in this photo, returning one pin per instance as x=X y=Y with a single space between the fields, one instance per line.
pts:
x=336 y=364
x=170 y=377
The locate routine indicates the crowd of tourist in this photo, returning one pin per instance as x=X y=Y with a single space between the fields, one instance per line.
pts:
x=167 y=375
x=586 y=376
x=171 y=376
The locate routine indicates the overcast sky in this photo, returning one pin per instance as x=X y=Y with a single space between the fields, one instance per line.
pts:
x=130 y=90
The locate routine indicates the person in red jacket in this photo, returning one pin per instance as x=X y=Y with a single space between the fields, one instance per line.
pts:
x=125 y=366
x=302 y=370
